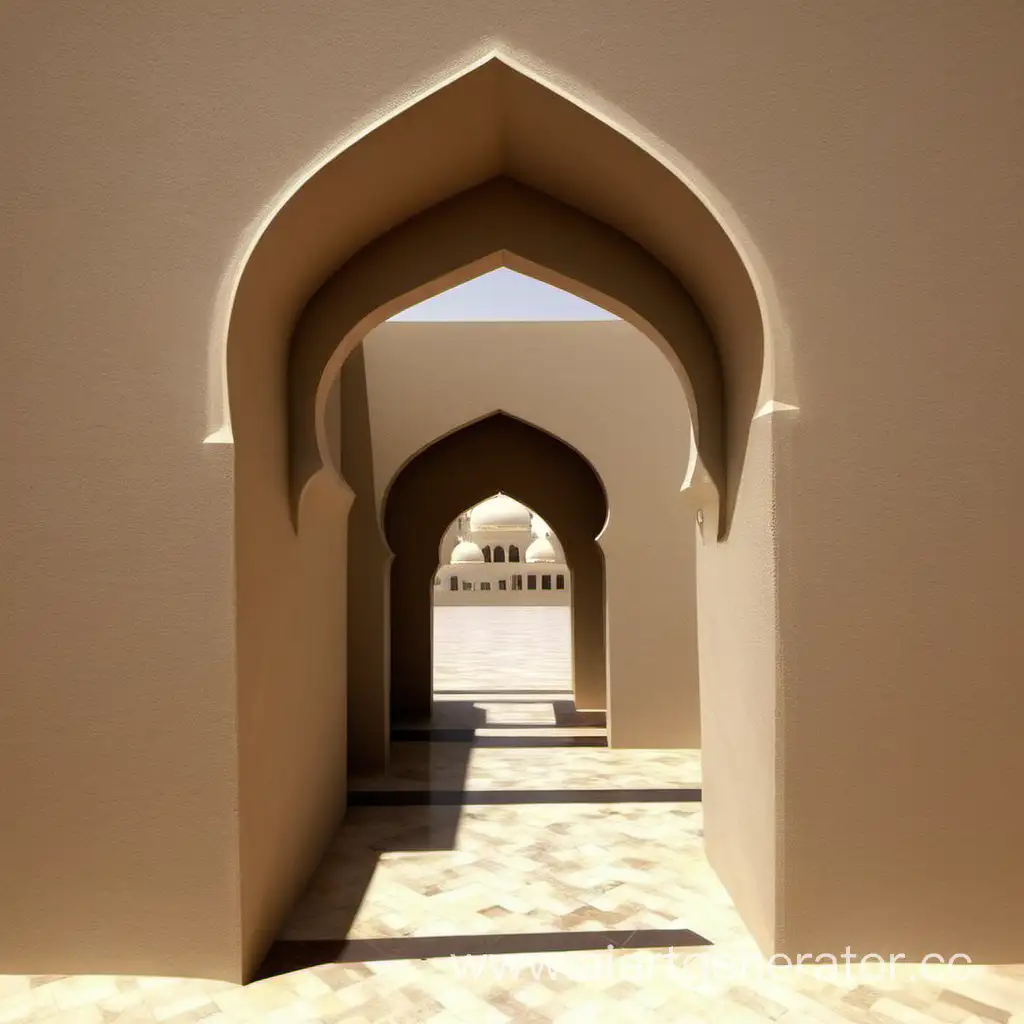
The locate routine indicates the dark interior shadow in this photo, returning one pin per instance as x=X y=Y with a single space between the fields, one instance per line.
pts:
x=567 y=716
x=467 y=715
x=457 y=714
x=300 y=955
x=366 y=578
x=498 y=797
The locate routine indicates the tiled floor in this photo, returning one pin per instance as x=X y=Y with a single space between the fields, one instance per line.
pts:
x=509 y=648
x=558 y=852
x=418 y=871
x=447 y=766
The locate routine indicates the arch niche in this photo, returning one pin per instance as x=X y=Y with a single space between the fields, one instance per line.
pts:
x=494 y=168
x=499 y=453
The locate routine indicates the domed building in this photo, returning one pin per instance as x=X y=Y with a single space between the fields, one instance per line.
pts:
x=499 y=552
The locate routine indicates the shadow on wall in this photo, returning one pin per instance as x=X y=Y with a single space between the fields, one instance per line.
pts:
x=367 y=580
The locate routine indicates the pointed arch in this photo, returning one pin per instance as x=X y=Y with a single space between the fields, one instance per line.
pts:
x=493 y=137
x=497 y=453
x=507 y=223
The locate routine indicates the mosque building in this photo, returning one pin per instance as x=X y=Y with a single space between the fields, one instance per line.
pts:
x=498 y=553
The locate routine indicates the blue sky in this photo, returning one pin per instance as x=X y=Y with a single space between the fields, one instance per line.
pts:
x=504 y=295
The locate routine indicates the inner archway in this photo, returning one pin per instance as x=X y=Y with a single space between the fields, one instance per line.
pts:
x=499 y=453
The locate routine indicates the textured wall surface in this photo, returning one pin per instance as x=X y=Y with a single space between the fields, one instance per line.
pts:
x=867 y=157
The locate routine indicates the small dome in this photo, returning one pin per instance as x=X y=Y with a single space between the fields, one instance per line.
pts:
x=541 y=551
x=465 y=552
x=540 y=527
x=500 y=513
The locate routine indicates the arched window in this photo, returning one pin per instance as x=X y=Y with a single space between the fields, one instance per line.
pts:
x=513 y=552
x=487 y=553
x=499 y=553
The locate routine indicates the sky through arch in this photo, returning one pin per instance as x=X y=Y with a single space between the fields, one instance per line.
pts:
x=504 y=294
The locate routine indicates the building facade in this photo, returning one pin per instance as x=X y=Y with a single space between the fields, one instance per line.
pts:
x=499 y=552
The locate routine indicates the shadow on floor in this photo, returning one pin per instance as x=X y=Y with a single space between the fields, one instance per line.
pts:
x=286 y=957
x=438 y=785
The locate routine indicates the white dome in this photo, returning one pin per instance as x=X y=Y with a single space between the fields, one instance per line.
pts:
x=541 y=551
x=465 y=552
x=540 y=527
x=500 y=513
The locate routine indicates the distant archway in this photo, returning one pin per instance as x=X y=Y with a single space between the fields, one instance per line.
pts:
x=499 y=453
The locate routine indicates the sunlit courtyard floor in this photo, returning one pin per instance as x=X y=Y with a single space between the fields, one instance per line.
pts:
x=484 y=877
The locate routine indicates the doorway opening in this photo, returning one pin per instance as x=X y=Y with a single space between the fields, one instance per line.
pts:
x=485 y=593
x=534 y=182
x=502 y=621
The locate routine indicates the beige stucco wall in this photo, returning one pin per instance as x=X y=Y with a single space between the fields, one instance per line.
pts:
x=605 y=390
x=867 y=157
x=741 y=759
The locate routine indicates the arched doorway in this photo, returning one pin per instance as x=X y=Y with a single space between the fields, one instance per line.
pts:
x=500 y=453
x=494 y=169
x=500 y=628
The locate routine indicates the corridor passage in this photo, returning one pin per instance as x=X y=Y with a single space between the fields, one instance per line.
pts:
x=509 y=867
x=505 y=825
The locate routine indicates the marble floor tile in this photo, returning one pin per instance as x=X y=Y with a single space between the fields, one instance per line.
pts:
x=549 y=865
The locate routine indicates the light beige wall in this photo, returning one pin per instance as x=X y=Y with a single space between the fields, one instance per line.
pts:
x=293 y=718
x=870 y=151
x=741 y=760
x=608 y=392
x=290 y=654
x=899 y=575
x=117 y=718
